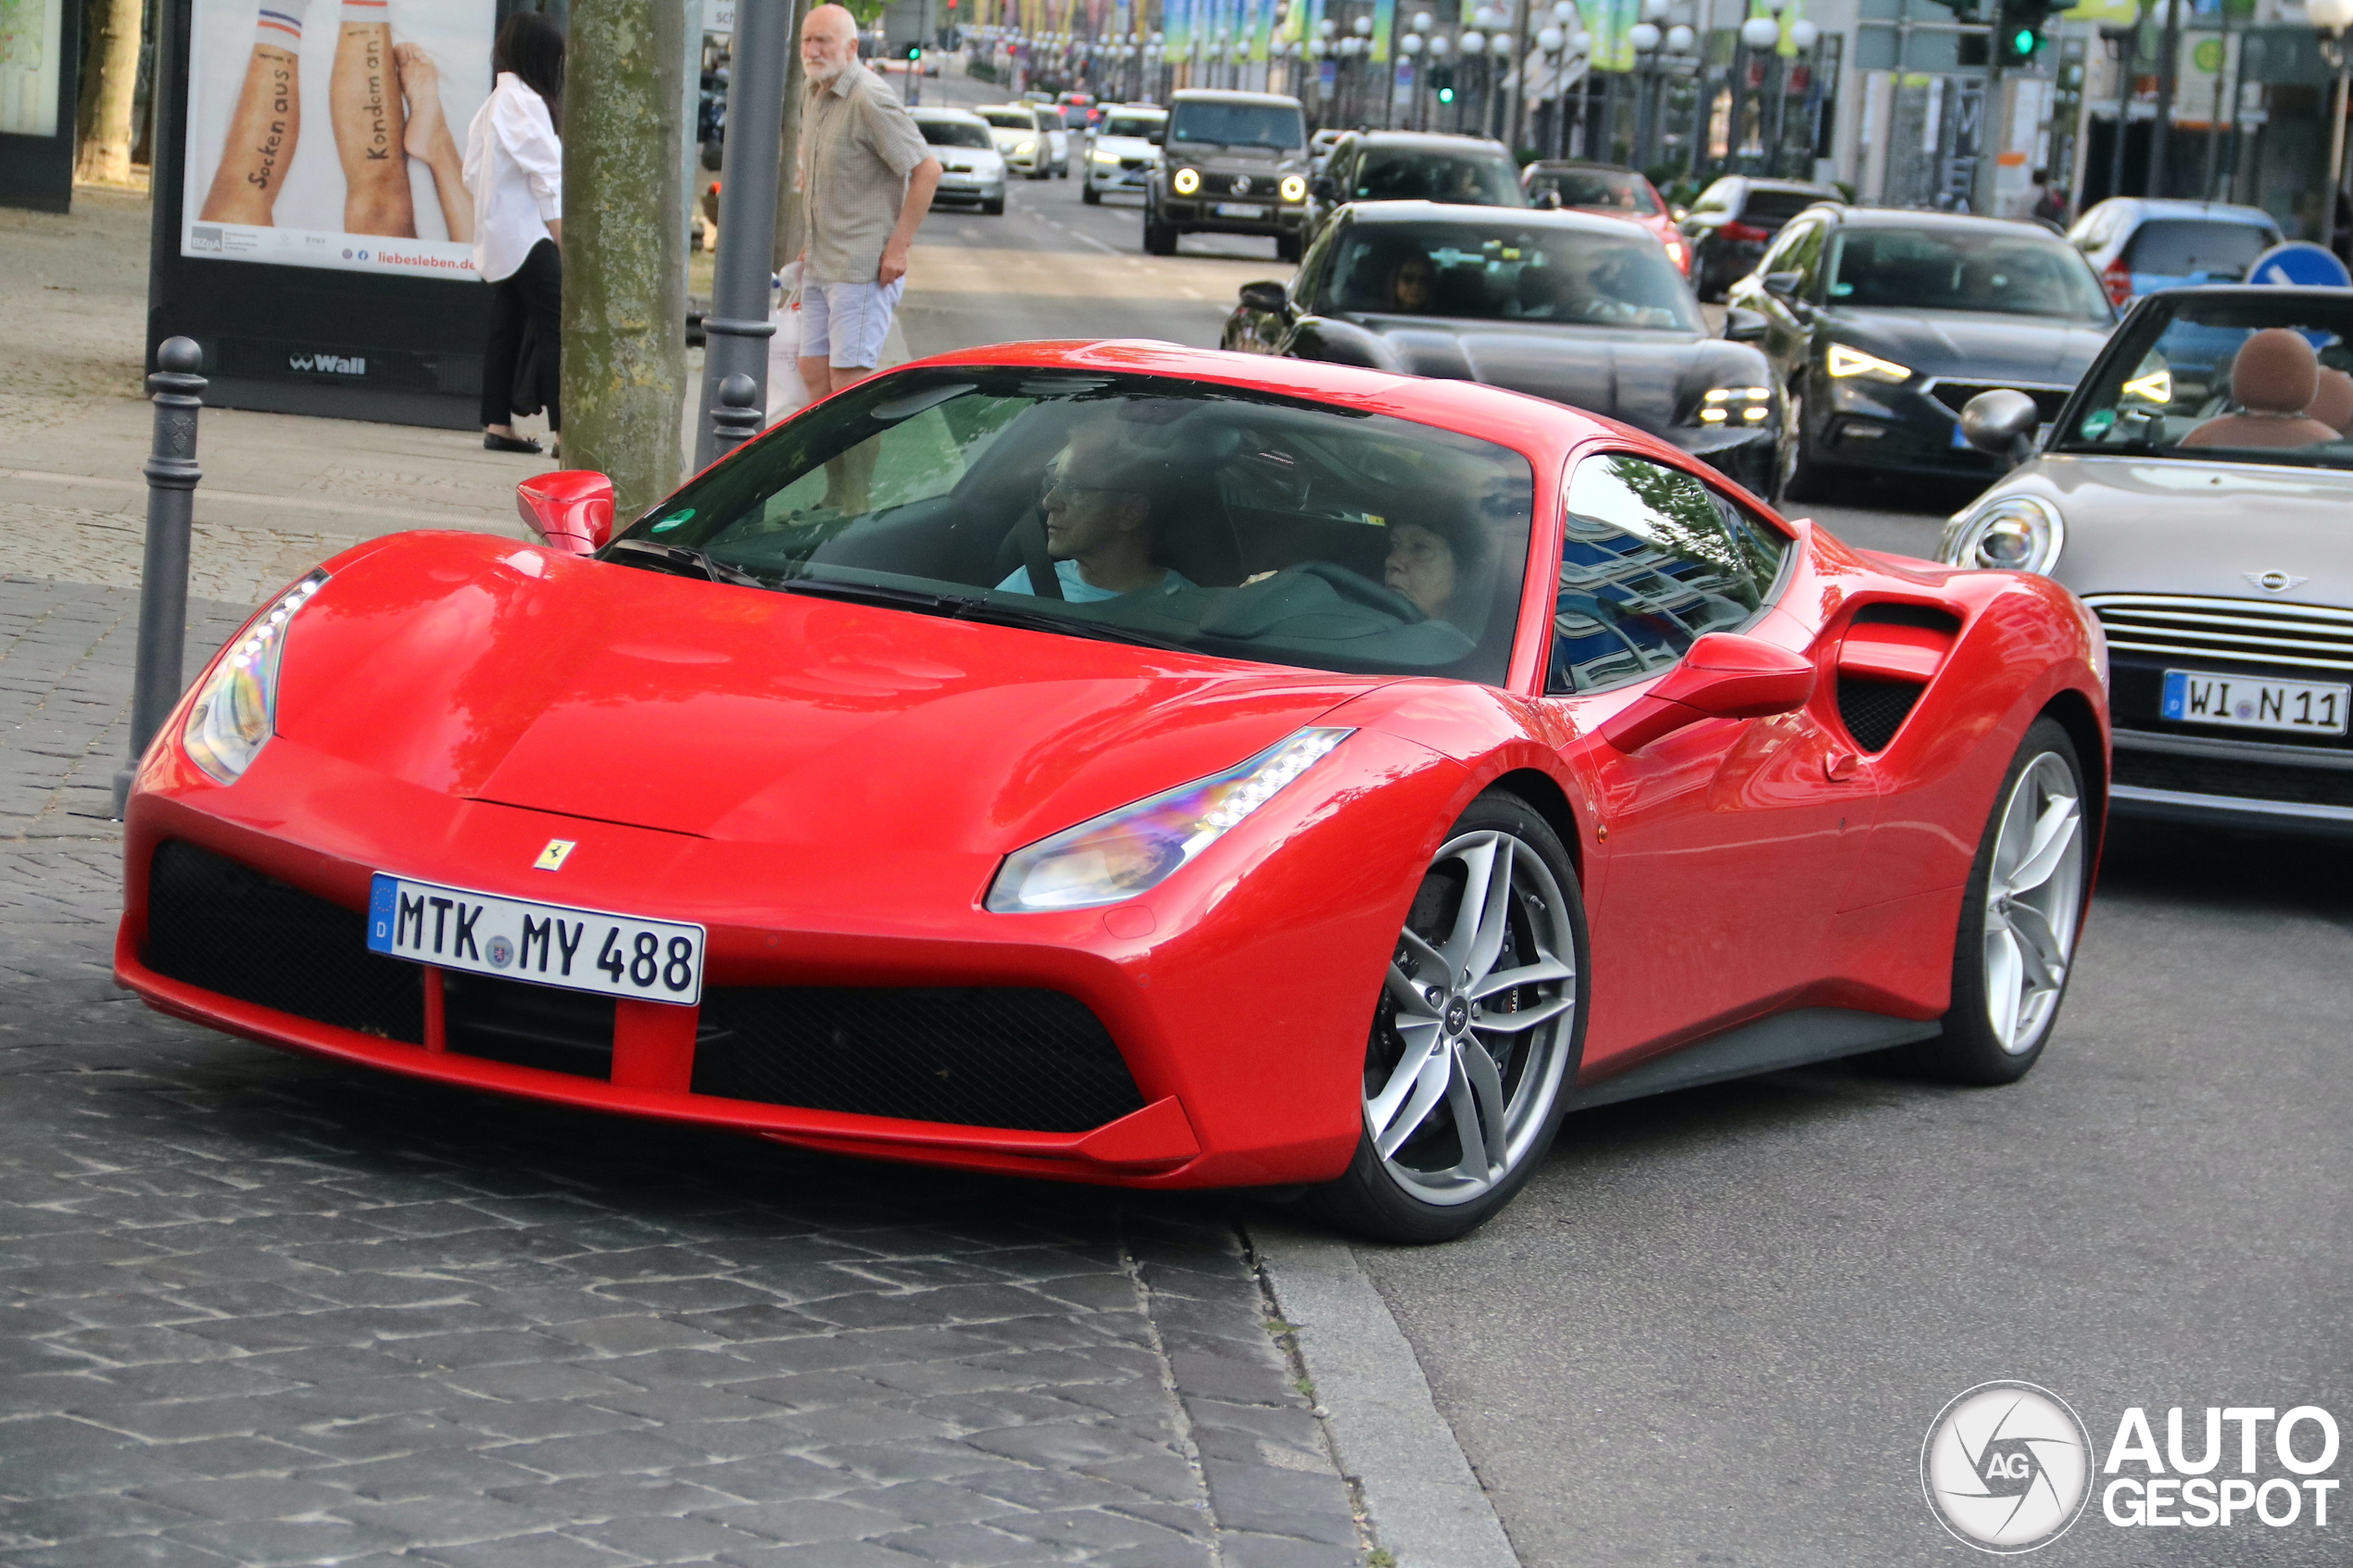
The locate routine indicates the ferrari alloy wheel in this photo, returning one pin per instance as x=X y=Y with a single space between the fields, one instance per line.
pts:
x=2020 y=919
x=1474 y=1035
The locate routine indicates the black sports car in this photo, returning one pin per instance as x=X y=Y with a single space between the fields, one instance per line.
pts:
x=1881 y=324
x=1577 y=309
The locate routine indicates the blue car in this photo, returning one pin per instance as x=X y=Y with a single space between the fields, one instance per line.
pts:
x=2139 y=246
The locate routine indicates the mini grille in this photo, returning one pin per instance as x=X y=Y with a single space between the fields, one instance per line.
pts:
x=1034 y=1060
x=1874 y=710
x=2227 y=776
x=1954 y=395
x=227 y=928
x=528 y=1026
x=2244 y=631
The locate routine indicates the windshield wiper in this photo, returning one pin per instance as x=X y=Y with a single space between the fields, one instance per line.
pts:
x=960 y=607
x=682 y=560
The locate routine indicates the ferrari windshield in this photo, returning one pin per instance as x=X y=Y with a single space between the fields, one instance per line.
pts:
x=1129 y=509
x=1500 y=271
x=2247 y=376
x=2031 y=272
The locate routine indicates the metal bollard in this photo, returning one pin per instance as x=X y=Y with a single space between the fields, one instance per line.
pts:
x=739 y=417
x=163 y=580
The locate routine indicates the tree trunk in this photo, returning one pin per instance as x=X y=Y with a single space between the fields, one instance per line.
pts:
x=109 y=83
x=624 y=308
x=788 y=230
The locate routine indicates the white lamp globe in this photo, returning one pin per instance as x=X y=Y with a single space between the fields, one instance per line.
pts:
x=1439 y=46
x=1362 y=27
x=1421 y=21
x=1645 y=36
x=1653 y=10
x=1581 y=43
x=1550 y=40
x=1565 y=12
x=1760 y=33
x=1410 y=43
x=1474 y=43
x=1680 y=38
x=1499 y=44
x=1804 y=35
x=1482 y=19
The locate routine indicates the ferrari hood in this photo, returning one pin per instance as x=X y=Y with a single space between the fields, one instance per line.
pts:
x=1646 y=379
x=2145 y=525
x=515 y=675
x=1972 y=345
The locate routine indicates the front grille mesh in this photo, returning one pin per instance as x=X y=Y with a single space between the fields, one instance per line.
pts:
x=985 y=1057
x=227 y=928
x=2240 y=630
x=2228 y=776
x=1874 y=710
x=528 y=1026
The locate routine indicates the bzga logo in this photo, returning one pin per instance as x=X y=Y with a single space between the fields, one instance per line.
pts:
x=2007 y=1467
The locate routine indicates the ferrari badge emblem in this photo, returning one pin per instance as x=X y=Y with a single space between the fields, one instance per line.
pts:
x=2274 y=582
x=553 y=858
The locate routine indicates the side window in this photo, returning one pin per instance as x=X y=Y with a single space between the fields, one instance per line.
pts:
x=1784 y=254
x=1805 y=256
x=1651 y=559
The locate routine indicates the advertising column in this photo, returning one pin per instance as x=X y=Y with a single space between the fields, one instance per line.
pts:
x=40 y=43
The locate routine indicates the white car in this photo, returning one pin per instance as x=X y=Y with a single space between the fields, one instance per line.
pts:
x=1121 y=153
x=971 y=169
x=1031 y=137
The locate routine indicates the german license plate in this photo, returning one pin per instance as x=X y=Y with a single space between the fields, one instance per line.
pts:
x=654 y=960
x=1240 y=209
x=2246 y=703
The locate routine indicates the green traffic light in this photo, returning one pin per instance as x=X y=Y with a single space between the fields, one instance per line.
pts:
x=1445 y=94
x=2024 y=41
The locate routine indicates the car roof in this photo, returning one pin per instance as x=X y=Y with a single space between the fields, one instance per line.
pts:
x=2225 y=212
x=1228 y=95
x=1910 y=218
x=925 y=111
x=1160 y=110
x=1583 y=163
x=2254 y=291
x=1567 y=218
x=1827 y=193
x=1427 y=141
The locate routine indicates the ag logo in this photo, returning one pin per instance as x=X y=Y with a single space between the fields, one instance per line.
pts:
x=2007 y=1467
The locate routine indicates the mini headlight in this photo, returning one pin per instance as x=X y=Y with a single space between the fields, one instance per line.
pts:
x=1136 y=847
x=1846 y=362
x=1187 y=181
x=235 y=711
x=2012 y=534
x=1294 y=189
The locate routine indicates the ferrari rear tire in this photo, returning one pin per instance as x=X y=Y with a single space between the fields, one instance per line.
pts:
x=2021 y=917
x=1475 y=1036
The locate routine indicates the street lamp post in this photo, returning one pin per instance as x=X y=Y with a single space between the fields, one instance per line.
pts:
x=2333 y=17
x=1756 y=33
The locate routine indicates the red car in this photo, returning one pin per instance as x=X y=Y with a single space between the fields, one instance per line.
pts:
x=1611 y=192
x=1133 y=764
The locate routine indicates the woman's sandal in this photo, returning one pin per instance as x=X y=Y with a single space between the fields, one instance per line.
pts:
x=491 y=442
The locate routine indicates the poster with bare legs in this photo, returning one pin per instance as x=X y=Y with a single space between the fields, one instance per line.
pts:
x=376 y=185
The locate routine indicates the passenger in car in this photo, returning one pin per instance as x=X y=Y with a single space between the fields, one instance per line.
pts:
x=1439 y=559
x=1099 y=499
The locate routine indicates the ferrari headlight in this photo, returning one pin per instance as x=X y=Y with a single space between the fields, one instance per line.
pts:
x=1187 y=181
x=1736 y=406
x=1846 y=362
x=235 y=711
x=2013 y=533
x=1136 y=847
x=1295 y=188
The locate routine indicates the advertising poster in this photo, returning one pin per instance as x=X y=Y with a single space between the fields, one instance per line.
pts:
x=331 y=133
x=29 y=31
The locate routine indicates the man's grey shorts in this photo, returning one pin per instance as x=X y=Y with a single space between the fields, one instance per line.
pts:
x=844 y=324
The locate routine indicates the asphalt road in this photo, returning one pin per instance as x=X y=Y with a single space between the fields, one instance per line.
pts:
x=1716 y=1327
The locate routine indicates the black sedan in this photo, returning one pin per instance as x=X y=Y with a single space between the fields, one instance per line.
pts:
x=1578 y=310
x=1735 y=219
x=1883 y=324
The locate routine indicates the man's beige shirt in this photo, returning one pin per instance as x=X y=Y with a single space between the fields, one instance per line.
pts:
x=857 y=146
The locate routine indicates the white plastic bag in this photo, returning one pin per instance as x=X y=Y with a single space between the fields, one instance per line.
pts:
x=786 y=392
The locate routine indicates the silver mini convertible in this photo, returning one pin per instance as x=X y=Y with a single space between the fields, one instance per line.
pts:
x=2196 y=491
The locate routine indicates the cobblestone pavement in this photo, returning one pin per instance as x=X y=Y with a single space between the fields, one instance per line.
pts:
x=259 y=1310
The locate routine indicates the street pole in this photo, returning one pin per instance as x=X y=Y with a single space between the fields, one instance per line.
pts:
x=163 y=580
x=2127 y=50
x=2337 y=144
x=738 y=324
x=2167 y=71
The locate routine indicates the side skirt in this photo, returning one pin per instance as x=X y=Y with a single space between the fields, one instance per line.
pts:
x=1769 y=1045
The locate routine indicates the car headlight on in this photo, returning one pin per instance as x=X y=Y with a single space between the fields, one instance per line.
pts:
x=2011 y=533
x=1136 y=847
x=1105 y=156
x=1846 y=362
x=1021 y=148
x=235 y=712
x=1187 y=181
x=1733 y=406
x=1294 y=188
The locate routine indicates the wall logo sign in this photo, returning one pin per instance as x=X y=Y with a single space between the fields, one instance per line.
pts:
x=326 y=364
x=2007 y=1467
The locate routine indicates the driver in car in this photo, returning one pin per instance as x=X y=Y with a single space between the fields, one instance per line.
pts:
x=1439 y=559
x=1098 y=500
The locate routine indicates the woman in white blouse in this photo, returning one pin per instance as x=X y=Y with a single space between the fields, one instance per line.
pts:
x=515 y=170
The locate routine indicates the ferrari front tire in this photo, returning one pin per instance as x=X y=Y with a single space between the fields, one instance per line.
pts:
x=2021 y=917
x=1476 y=1034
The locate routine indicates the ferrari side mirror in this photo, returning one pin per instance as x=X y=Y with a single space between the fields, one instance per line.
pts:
x=2001 y=422
x=1267 y=297
x=1743 y=326
x=570 y=509
x=1724 y=676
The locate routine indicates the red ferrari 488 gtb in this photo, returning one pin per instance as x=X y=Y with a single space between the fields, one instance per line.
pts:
x=1126 y=764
